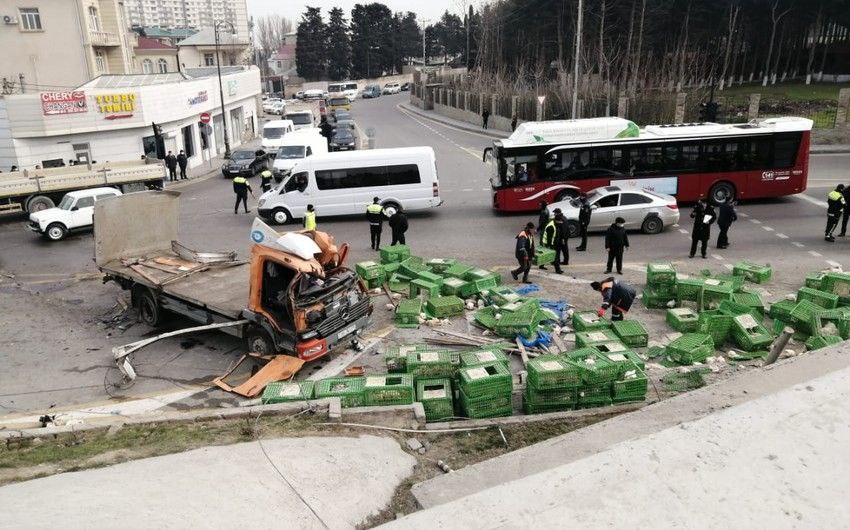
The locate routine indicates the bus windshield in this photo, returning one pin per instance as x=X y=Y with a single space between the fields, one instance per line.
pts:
x=516 y=170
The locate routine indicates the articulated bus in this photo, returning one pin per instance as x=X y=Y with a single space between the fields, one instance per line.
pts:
x=554 y=160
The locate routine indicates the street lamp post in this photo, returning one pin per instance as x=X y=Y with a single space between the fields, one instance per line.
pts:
x=220 y=88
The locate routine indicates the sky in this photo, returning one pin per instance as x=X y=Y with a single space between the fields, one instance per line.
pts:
x=292 y=9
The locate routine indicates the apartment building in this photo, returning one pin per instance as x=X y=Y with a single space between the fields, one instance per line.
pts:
x=197 y=14
x=52 y=45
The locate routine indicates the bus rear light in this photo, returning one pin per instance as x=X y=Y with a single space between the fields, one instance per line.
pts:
x=436 y=188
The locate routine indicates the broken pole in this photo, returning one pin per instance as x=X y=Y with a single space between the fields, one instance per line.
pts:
x=778 y=345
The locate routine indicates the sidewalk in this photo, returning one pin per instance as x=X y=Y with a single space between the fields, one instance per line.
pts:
x=208 y=169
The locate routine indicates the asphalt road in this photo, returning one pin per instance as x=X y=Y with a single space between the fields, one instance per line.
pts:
x=67 y=312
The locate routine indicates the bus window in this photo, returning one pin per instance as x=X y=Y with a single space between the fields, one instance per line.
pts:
x=515 y=170
x=647 y=159
x=785 y=148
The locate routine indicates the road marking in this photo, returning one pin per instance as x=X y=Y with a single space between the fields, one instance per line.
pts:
x=744 y=214
x=467 y=150
x=815 y=253
x=717 y=257
x=781 y=235
x=833 y=263
x=485 y=189
x=811 y=200
x=798 y=245
x=682 y=230
x=769 y=229
x=755 y=221
x=466 y=189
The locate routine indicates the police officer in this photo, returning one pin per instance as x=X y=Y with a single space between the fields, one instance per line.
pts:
x=584 y=211
x=524 y=251
x=616 y=295
x=375 y=216
x=616 y=241
x=241 y=187
x=835 y=205
x=310 y=218
x=542 y=219
x=703 y=215
x=551 y=237
x=266 y=180
x=846 y=216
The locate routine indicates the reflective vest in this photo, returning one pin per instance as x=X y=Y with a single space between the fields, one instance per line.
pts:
x=266 y=174
x=546 y=241
x=309 y=220
x=374 y=208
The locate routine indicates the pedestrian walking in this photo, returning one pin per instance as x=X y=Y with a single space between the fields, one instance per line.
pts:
x=375 y=216
x=241 y=187
x=266 y=180
x=726 y=215
x=616 y=294
x=326 y=129
x=554 y=237
x=703 y=215
x=310 y=218
x=182 y=161
x=616 y=242
x=398 y=225
x=584 y=211
x=835 y=206
x=524 y=251
x=171 y=164
x=542 y=219
x=846 y=216
x=485 y=116
x=513 y=123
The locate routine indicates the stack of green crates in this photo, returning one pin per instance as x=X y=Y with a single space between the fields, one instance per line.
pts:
x=818 y=342
x=282 y=392
x=543 y=256
x=595 y=367
x=439 y=265
x=715 y=324
x=479 y=357
x=436 y=398
x=631 y=332
x=515 y=323
x=399 y=283
x=596 y=395
x=552 y=384
x=624 y=358
x=589 y=321
x=753 y=272
x=486 y=391
x=452 y=286
x=348 y=389
x=444 y=306
x=683 y=319
x=632 y=387
x=395 y=253
x=599 y=336
x=751 y=300
x=429 y=364
x=658 y=274
x=691 y=348
x=822 y=298
x=749 y=334
x=837 y=283
x=388 y=389
x=407 y=313
x=395 y=357
x=371 y=272
x=804 y=317
x=715 y=291
x=690 y=290
x=660 y=285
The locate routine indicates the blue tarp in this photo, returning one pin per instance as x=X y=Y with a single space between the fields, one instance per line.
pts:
x=526 y=289
x=542 y=339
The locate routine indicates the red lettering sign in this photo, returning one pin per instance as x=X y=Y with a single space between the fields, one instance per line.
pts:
x=63 y=102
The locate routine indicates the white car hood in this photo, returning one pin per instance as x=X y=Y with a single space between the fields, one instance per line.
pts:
x=50 y=214
x=285 y=164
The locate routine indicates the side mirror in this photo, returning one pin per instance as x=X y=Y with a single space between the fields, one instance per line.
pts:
x=484 y=154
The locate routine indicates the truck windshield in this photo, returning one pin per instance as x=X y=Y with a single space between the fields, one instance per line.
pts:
x=300 y=118
x=273 y=133
x=67 y=202
x=290 y=151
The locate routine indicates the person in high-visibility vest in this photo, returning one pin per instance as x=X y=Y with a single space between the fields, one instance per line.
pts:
x=835 y=207
x=266 y=180
x=310 y=218
x=375 y=216
x=241 y=187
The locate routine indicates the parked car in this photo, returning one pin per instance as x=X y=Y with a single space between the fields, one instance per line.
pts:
x=405 y=87
x=392 y=88
x=343 y=140
x=643 y=210
x=278 y=107
x=75 y=212
x=371 y=91
x=245 y=163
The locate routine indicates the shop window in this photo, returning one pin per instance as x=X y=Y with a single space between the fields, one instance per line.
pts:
x=188 y=141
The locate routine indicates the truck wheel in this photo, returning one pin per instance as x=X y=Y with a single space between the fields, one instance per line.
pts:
x=281 y=216
x=258 y=341
x=39 y=203
x=56 y=232
x=149 y=311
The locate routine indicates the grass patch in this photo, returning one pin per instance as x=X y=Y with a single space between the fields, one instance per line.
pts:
x=796 y=91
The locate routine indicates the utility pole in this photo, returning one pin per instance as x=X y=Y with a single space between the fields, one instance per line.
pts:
x=424 y=58
x=220 y=89
x=577 y=55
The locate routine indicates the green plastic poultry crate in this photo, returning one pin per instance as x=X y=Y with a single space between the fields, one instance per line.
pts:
x=399 y=283
x=683 y=382
x=595 y=367
x=429 y=364
x=395 y=253
x=660 y=274
x=691 y=348
x=815 y=280
x=804 y=317
x=751 y=300
x=518 y=323
x=479 y=357
x=439 y=265
x=452 y=286
x=407 y=313
x=486 y=317
x=436 y=397
x=502 y=295
x=753 y=272
x=589 y=321
x=553 y=372
x=475 y=286
x=781 y=310
x=458 y=270
x=682 y=319
x=598 y=395
x=283 y=392
x=840 y=318
x=490 y=379
x=822 y=298
x=369 y=270
x=486 y=407
x=444 y=306
x=654 y=298
x=388 y=389
x=412 y=266
x=422 y=287
x=734 y=309
x=543 y=256
x=631 y=332
x=539 y=401
x=626 y=361
x=522 y=305
x=716 y=324
x=390 y=268
x=689 y=289
x=599 y=336
x=348 y=389
x=630 y=389
x=749 y=334
x=715 y=291
x=818 y=342
x=837 y=283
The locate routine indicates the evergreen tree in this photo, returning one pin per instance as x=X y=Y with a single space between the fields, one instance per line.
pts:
x=312 y=46
x=371 y=40
x=339 y=45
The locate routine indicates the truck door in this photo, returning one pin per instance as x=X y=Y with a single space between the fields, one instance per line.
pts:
x=82 y=212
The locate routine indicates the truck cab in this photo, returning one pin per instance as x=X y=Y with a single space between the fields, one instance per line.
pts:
x=74 y=212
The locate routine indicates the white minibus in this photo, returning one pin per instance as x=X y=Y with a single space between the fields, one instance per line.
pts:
x=273 y=133
x=296 y=147
x=303 y=119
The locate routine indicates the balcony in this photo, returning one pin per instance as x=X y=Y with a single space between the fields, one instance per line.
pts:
x=104 y=38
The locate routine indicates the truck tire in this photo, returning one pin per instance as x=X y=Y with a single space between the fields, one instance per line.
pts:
x=280 y=216
x=258 y=341
x=37 y=203
x=149 y=310
x=56 y=232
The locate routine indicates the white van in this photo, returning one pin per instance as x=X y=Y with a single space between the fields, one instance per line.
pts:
x=345 y=183
x=349 y=88
x=303 y=119
x=296 y=147
x=274 y=131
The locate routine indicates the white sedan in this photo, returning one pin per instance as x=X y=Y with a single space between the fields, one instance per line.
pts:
x=392 y=88
x=643 y=210
x=75 y=212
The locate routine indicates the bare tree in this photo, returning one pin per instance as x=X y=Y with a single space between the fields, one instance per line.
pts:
x=730 y=40
x=814 y=33
x=775 y=18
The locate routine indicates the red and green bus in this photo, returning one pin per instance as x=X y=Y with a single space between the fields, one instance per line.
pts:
x=554 y=160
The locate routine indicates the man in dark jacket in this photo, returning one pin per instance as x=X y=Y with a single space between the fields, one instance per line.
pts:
x=375 y=216
x=835 y=205
x=241 y=187
x=542 y=219
x=554 y=238
x=171 y=164
x=616 y=241
x=726 y=215
x=485 y=117
x=524 y=252
x=616 y=295
x=846 y=216
x=398 y=224
x=703 y=215
x=584 y=211
x=182 y=161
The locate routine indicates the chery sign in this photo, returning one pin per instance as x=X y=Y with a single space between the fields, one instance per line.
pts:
x=63 y=102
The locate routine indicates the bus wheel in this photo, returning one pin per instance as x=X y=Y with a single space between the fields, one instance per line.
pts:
x=39 y=203
x=149 y=310
x=281 y=216
x=572 y=229
x=721 y=192
x=258 y=341
x=652 y=225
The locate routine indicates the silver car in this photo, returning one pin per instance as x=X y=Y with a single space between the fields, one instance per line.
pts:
x=647 y=211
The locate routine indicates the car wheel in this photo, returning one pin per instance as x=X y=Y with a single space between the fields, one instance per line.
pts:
x=39 y=203
x=149 y=311
x=390 y=208
x=573 y=229
x=258 y=341
x=280 y=216
x=721 y=193
x=565 y=194
x=56 y=232
x=652 y=225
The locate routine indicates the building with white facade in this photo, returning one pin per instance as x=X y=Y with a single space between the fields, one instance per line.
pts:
x=197 y=14
x=110 y=118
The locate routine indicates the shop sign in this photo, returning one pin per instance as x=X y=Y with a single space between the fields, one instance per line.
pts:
x=63 y=102
x=118 y=105
x=200 y=98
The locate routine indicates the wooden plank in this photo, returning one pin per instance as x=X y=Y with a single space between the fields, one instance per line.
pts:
x=522 y=352
x=138 y=269
x=157 y=266
x=176 y=262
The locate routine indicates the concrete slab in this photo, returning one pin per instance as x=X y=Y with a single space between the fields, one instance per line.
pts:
x=775 y=462
x=217 y=487
x=744 y=386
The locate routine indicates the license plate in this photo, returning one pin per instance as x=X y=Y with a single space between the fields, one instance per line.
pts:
x=347 y=331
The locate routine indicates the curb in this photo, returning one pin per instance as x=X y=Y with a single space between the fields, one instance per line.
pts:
x=450 y=123
x=829 y=149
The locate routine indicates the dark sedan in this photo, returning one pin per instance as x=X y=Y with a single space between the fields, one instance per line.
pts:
x=245 y=163
x=405 y=87
x=343 y=140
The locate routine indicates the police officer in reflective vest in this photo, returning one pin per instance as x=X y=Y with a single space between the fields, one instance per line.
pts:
x=310 y=218
x=241 y=187
x=835 y=206
x=266 y=180
x=616 y=295
x=553 y=237
x=375 y=216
